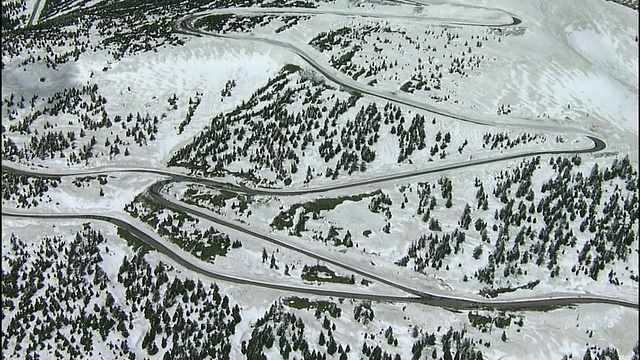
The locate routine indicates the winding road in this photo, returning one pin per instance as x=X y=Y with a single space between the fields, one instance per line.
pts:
x=187 y=25
x=449 y=302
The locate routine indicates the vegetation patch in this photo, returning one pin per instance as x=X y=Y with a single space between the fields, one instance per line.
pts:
x=216 y=200
x=134 y=242
x=179 y=228
x=285 y=219
x=485 y=323
x=321 y=273
x=320 y=306
x=494 y=292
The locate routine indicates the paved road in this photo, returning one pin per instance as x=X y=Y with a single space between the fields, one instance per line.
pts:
x=359 y=12
x=186 y=26
x=449 y=302
x=35 y=15
x=598 y=145
x=196 y=266
x=453 y=302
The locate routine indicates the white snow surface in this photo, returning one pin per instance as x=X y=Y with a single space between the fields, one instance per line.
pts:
x=576 y=65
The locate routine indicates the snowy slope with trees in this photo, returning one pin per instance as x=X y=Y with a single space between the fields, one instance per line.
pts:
x=486 y=111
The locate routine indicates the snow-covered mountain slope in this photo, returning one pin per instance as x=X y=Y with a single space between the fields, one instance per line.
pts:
x=306 y=185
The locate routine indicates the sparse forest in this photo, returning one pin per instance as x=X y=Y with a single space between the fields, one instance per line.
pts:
x=349 y=204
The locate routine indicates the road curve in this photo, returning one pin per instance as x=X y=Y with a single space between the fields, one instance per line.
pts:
x=187 y=263
x=448 y=302
x=185 y=25
x=358 y=12
x=154 y=192
x=598 y=145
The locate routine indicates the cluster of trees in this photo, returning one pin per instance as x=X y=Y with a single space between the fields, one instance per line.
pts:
x=271 y=136
x=228 y=86
x=420 y=81
x=49 y=143
x=571 y=203
x=446 y=189
x=377 y=352
x=320 y=306
x=481 y=196
x=282 y=328
x=523 y=217
x=347 y=43
x=381 y=203
x=53 y=46
x=14 y=14
x=504 y=111
x=193 y=106
x=411 y=138
x=212 y=143
x=328 y=40
x=454 y=345
x=149 y=23
x=388 y=334
x=59 y=301
x=503 y=141
x=460 y=65
x=364 y=128
x=333 y=237
x=186 y=319
x=597 y=353
x=144 y=128
x=342 y=39
x=344 y=63
x=274 y=136
x=291 y=21
x=179 y=228
x=216 y=201
x=55 y=7
x=67 y=36
x=313 y=209
x=535 y=222
x=322 y=273
x=431 y=249
x=613 y=222
x=223 y=23
x=146 y=26
x=273 y=264
x=485 y=323
x=26 y=191
x=427 y=202
x=363 y=313
x=71 y=268
x=87 y=106
x=85 y=181
x=355 y=153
